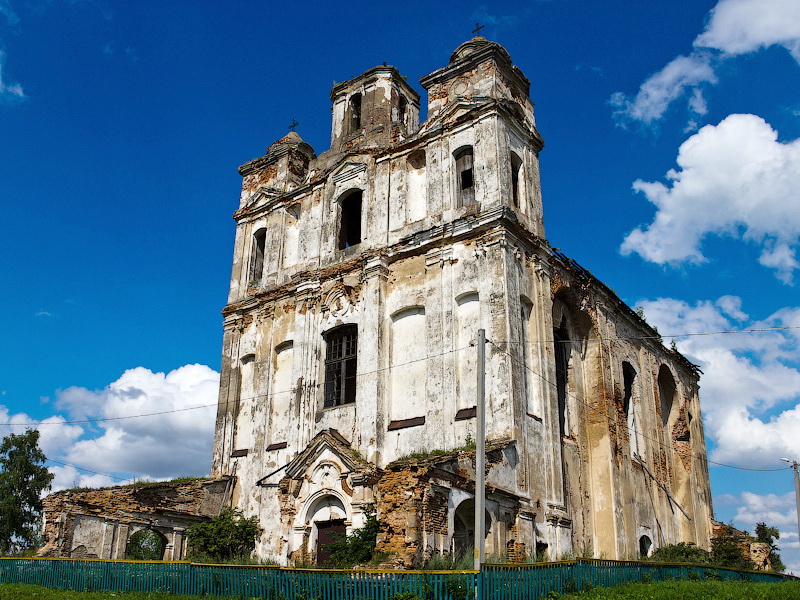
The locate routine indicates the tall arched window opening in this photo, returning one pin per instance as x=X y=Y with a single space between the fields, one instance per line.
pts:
x=402 y=110
x=516 y=165
x=350 y=224
x=563 y=350
x=465 y=177
x=257 y=261
x=666 y=393
x=628 y=405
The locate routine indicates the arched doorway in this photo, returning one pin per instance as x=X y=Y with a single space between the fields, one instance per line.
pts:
x=327 y=518
x=464 y=528
x=146 y=544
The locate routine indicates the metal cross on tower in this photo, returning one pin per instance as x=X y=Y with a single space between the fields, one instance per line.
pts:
x=293 y=125
x=478 y=27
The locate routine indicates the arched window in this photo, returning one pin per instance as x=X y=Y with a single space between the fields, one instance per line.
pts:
x=666 y=393
x=465 y=177
x=341 y=349
x=407 y=374
x=350 y=224
x=645 y=543
x=146 y=544
x=355 y=112
x=628 y=406
x=467 y=321
x=257 y=261
x=516 y=164
x=563 y=351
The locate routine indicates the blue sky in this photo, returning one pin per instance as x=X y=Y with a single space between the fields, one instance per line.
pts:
x=670 y=170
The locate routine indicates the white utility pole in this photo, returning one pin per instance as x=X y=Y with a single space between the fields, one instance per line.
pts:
x=480 y=454
x=796 y=489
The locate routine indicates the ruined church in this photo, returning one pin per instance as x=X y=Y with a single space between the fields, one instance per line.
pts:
x=348 y=386
x=349 y=369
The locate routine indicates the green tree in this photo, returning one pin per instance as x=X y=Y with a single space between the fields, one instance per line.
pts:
x=228 y=536
x=768 y=535
x=728 y=550
x=23 y=479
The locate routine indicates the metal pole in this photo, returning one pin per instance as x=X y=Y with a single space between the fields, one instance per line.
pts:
x=480 y=454
x=796 y=489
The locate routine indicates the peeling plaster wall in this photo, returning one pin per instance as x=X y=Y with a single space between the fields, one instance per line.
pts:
x=424 y=276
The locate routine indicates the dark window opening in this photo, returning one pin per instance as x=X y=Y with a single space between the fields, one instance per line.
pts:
x=340 y=366
x=355 y=112
x=644 y=546
x=666 y=392
x=259 y=246
x=562 y=343
x=402 y=110
x=350 y=226
x=466 y=179
x=628 y=375
x=516 y=164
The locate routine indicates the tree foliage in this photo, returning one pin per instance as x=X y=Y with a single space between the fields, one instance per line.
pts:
x=727 y=550
x=768 y=535
x=225 y=537
x=23 y=479
x=145 y=544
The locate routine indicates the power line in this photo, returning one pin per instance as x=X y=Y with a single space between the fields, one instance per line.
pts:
x=660 y=336
x=86 y=470
x=636 y=431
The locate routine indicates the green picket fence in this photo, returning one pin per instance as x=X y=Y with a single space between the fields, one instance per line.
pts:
x=494 y=582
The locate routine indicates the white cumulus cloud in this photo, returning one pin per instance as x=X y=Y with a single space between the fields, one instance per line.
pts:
x=174 y=440
x=733 y=179
x=734 y=27
x=750 y=387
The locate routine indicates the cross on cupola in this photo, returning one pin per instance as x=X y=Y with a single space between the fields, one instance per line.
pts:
x=478 y=27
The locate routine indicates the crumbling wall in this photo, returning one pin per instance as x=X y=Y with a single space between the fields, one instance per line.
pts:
x=96 y=523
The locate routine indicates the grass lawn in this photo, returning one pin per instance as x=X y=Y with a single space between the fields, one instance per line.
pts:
x=668 y=590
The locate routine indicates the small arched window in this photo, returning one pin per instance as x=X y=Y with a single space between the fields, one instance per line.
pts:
x=257 y=261
x=350 y=222
x=516 y=165
x=645 y=543
x=355 y=112
x=402 y=110
x=465 y=176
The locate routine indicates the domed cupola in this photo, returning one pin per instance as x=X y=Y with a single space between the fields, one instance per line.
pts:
x=478 y=68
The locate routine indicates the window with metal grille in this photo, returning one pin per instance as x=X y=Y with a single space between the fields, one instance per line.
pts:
x=340 y=365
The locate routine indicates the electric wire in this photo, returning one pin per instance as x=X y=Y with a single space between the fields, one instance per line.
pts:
x=636 y=431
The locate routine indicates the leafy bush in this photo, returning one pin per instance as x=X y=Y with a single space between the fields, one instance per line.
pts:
x=225 y=537
x=356 y=548
x=681 y=553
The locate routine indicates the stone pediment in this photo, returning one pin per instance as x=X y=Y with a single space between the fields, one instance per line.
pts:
x=328 y=448
x=347 y=171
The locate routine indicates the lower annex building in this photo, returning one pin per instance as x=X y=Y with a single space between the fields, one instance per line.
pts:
x=360 y=279
x=348 y=386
